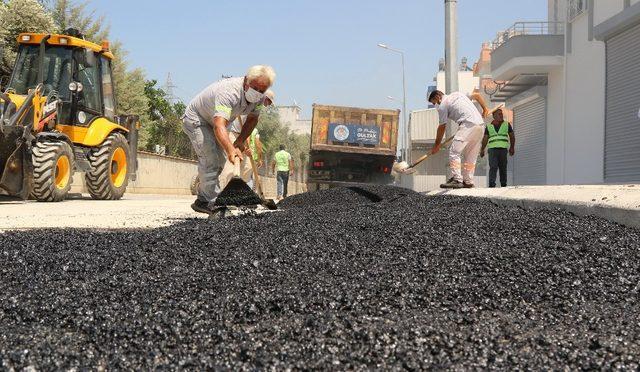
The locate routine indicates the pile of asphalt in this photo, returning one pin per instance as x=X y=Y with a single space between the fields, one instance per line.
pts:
x=404 y=282
x=344 y=196
x=237 y=193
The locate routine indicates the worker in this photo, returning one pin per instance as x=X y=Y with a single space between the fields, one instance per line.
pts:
x=499 y=136
x=466 y=143
x=253 y=148
x=284 y=164
x=206 y=123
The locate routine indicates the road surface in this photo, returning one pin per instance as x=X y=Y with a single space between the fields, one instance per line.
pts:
x=133 y=211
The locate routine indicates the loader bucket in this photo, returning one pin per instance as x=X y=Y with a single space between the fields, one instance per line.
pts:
x=14 y=165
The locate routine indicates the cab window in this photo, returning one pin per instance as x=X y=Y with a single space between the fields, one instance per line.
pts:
x=88 y=74
x=108 y=98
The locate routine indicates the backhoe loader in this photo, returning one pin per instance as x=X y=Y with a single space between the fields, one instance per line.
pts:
x=58 y=116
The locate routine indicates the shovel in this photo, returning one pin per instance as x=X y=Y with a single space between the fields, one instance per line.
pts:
x=406 y=168
x=237 y=192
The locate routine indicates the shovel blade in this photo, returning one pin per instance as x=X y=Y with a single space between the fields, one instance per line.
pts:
x=237 y=193
x=400 y=167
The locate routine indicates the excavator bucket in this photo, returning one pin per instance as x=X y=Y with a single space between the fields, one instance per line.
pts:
x=15 y=158
x=15 y=168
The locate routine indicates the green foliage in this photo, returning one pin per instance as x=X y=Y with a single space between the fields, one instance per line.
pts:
x=273 y=134
x=18 y=16
x=68 y=14
x=165 y=124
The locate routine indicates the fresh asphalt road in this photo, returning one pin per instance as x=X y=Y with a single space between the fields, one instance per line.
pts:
x=80 y=211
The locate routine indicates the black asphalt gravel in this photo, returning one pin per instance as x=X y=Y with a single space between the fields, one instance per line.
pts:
x=237 y=193
x=397 y=281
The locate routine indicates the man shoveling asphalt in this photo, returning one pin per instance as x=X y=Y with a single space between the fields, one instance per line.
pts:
x=467 y=141
x=253 y=147
x=205 y=122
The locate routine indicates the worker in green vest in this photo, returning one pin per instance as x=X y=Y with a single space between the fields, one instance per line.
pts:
x=500 y=138
x=283 y=163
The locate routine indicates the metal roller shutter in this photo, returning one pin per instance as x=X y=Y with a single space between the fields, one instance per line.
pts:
x=622 y=125
x=530 y=127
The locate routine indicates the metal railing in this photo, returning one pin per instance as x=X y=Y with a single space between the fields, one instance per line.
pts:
x=528 y=28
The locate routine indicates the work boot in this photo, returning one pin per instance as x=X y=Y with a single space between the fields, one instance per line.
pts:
x=452 y=184
x=467 y=185
x=201 y=206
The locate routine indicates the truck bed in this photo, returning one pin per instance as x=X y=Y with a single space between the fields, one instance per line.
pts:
x=354 y=130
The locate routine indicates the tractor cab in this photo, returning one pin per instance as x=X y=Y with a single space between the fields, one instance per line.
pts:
x=58 y=115
x=71 y=70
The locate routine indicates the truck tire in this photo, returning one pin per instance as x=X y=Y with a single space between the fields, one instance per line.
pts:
x=195 y=185
x=108 y=178
x=53 y=165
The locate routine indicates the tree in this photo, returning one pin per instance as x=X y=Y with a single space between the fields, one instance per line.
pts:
x=17 y=16
x=165 y=124
x=273 y=134
x=67 y=14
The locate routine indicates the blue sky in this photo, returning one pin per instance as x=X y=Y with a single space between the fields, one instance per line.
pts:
x=323 y=51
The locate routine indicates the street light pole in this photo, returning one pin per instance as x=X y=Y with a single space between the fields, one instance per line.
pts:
x=405 y=128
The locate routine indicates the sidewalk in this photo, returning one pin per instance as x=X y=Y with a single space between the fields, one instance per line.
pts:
x=618 y=203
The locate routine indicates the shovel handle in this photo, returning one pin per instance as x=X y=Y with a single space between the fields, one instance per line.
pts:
x=426 y=156
x=237 y=166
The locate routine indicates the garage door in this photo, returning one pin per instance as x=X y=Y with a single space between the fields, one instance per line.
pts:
x=622 y=124
x=530 y=127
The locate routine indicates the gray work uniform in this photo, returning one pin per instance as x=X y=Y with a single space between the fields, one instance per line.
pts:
x=224 y=99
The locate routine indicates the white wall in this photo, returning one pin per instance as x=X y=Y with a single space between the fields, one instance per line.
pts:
x=585 y=104
x=555 y=127
x=605 y=9
x=467 y=83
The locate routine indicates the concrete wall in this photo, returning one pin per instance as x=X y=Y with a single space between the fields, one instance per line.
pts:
x=555 y=127
x=585 y=102
x=607 y=9
x=467 y=83
x=522 y=46
x=158 y=174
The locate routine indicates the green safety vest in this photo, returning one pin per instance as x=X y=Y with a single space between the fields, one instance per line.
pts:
x=499 y=139
x=253 y=144
x=282 y=161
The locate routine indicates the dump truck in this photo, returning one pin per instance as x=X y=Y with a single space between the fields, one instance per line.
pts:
x=351 y=145
x=58 y=116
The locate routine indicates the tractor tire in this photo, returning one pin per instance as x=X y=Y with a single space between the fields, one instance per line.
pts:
x=53 y=164
x=108 y=178
x=195 y=185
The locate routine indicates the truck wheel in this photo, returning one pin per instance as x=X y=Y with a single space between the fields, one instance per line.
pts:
x=53 y=164
x=195 y=185
x=108 y=177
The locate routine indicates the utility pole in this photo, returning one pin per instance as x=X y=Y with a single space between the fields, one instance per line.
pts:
x=451 y=45
x=451 y=50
